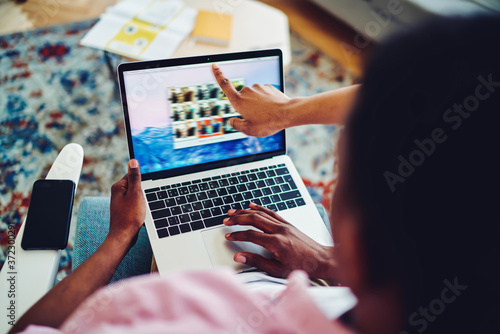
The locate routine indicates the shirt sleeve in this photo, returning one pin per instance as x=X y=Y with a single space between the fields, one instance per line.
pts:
x=212 y=301
x=33 y=329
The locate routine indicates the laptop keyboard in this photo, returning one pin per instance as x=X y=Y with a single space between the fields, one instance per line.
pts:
x=195 y=205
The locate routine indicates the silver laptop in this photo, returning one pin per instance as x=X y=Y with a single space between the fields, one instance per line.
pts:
x=195 y=167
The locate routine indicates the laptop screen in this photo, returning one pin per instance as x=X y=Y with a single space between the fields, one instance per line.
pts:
x=177 y=116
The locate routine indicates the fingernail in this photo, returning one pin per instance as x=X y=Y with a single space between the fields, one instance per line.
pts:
x=215 y=66
x=240 y=259
x=225 y=220
x=133 y=163
x=231 y=211
x=228 y=235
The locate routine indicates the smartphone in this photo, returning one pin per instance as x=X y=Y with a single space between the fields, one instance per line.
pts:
x=49 y=215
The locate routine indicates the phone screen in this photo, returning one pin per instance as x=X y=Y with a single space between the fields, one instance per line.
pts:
x=49 y=215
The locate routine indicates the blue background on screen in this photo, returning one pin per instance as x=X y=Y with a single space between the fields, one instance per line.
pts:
x=152 y=130
x=159 y=141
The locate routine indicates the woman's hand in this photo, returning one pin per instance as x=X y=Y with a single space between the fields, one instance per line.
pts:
x=128 y=210
x=262 y=106
x=128 y=207
x=291 y=249
x=266 y=110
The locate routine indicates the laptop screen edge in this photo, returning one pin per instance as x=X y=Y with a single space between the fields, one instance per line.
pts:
x=130 y=66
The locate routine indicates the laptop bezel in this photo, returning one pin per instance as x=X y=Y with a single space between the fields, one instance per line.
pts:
x=171 y=62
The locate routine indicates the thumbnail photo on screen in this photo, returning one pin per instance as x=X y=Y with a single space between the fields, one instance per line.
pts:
x=202 y=111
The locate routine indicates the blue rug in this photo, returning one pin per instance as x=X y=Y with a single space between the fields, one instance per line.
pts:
x=53 y=92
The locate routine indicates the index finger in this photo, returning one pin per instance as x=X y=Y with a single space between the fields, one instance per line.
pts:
x=252 y=218
x=224 y=83
x=120 y=186
x=267 y=211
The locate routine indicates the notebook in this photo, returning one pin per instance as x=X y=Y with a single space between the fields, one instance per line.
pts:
x=195 y=167
x=212 y=27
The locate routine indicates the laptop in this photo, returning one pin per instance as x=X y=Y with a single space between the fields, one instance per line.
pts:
x=195 y=166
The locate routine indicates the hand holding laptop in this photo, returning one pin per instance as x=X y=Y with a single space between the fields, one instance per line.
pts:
x=128 y=207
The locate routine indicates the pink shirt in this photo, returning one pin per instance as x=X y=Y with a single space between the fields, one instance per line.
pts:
x=197 y=302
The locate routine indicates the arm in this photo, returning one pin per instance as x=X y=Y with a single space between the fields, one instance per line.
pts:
x=325 y=108
x=290 y=248
x=266 y=110
x=127 y=216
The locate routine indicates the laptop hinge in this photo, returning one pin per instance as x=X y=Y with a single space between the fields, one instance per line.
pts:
x=159 y=176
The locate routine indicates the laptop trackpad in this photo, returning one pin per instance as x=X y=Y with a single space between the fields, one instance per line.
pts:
x=221 y=251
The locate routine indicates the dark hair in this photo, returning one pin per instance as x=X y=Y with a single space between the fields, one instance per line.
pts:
x=425 y=173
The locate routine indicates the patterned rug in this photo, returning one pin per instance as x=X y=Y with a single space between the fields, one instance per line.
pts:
x=54 y=92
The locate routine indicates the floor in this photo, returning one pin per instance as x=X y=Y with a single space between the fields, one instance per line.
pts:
x=313 y=24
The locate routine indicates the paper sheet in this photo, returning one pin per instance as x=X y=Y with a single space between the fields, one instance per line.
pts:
x=142 y=30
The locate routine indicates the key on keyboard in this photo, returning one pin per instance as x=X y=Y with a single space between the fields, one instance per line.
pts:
x=199 y=204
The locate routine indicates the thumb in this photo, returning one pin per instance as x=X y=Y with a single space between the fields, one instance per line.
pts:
x=271 y=266
x=134 y=175
x=239 y=125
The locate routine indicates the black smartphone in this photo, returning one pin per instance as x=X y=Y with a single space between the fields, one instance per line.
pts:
x=49 y=215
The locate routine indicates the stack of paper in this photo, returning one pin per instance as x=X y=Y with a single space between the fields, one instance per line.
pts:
x=142 y=30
